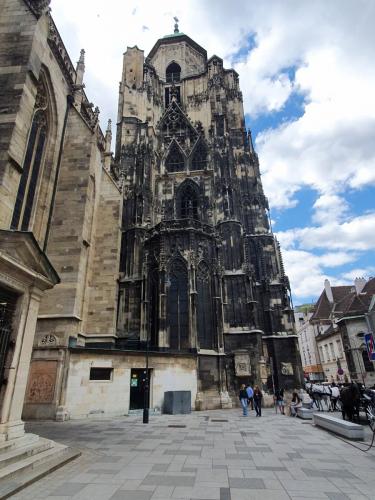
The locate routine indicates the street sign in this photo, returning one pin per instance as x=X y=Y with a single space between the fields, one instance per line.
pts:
x=369 y=339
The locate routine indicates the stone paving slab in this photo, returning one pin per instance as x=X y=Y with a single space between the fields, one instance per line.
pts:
x=217 y=455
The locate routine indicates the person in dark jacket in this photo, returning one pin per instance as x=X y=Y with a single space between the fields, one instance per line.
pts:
x=279 y=400
x=258 y=401
x=243 y=398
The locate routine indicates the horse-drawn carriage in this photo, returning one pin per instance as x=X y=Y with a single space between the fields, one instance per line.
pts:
x=350 y=399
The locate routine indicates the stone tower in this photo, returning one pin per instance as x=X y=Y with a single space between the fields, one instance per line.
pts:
x=201 y=272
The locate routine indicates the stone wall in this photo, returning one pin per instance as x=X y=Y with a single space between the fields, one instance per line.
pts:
x=95 y=398
x=102 y=284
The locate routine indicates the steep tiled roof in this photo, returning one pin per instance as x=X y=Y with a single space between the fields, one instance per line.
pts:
x=346 y=302
x=323 y=307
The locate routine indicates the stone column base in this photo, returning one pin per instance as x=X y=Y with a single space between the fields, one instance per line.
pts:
x=12 y=430
x=225 y=400
x=62 y=414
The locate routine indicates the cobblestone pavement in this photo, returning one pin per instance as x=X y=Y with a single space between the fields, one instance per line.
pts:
x=217 y=455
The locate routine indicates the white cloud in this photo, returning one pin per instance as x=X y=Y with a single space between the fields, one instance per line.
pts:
x=307 y=271
x=329 y=208
x=330 y=148
x=355 y=234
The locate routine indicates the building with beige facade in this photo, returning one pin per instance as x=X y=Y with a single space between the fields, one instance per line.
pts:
x=307 y=333
x=60 y=211
x=340 y=317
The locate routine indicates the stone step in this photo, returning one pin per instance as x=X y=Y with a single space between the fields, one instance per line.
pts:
x=17 y=476
x=25 y=440
x=20 y=452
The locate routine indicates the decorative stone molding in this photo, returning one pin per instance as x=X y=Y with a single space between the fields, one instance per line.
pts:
x=58 y=48
x=38 y=7
x=48 y=341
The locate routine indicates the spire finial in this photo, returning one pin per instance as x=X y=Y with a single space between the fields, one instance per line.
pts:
x=176 y=30
x=82 y=56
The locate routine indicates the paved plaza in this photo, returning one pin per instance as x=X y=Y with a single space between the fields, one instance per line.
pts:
x=210 y=455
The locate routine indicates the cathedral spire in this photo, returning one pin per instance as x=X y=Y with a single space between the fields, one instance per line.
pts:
x=176 y=30
x=108 y=137
x=80 y=69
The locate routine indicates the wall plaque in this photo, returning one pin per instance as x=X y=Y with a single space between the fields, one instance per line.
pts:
x=42 y=380
x=242 y=365
x=287 y=369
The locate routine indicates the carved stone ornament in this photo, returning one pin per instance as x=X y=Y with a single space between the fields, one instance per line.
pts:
x=38 y=6
x=287 y=369
x=242 y=365
x=48 y=341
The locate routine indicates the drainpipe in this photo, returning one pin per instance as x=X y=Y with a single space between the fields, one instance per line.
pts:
x=69 y=102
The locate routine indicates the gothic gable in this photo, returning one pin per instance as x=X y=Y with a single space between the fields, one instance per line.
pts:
x=175 y=125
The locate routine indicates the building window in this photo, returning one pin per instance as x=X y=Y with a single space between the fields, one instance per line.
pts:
x=369 y=365
x=101 y=373
x=321 y=354
x=178 y=307
x=187 y=202
x=175 y=160
x=339 y=348
x=327 y=352
x=205 y=316
x=199 y=161
x=33 y=162
x=333 y=356
x=173 y=73
x=170 y=92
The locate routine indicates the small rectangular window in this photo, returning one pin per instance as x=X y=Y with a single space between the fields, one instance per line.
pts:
x=101 y=373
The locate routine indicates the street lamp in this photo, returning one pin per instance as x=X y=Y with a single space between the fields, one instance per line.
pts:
x=146 y=386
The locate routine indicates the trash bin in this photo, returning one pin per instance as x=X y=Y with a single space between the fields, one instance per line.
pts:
x=177 y=402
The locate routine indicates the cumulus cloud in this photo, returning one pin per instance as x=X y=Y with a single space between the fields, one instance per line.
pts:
x=307 y=271
x=322 y=51
x=356 y=234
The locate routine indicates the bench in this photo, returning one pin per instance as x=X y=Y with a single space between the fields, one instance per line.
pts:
x=305 y=413
x=343 y=428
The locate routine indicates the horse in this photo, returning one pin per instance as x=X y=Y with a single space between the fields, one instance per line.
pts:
x=320 y=394
x=350 y=398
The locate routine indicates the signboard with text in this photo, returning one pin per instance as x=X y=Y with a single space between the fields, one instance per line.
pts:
x=369 y=339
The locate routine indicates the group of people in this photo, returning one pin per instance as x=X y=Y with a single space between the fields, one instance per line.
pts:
x=251 y=397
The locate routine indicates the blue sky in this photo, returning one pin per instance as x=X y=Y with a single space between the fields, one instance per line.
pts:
x=307 y=76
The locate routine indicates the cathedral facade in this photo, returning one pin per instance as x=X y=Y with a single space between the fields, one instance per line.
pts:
x=153 y=266
x=201 y=273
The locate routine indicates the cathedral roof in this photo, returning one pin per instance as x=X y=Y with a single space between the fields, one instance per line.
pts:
x=177 y=38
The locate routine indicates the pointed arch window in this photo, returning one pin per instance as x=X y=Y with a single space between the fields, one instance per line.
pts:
x=175 y=161
x=188 y=203
x=205 y=314
x=199 y=160
x=173 y=73
x=32 y=164
x=178 y=307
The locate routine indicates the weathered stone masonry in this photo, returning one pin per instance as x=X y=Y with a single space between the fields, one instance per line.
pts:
x=200 y=269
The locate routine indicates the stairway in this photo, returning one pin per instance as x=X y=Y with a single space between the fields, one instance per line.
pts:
x=27 y=459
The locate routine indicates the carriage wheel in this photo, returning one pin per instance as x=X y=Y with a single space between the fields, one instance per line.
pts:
x=370 y=414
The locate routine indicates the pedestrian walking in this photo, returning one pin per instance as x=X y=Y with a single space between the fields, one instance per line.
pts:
x=258 y=401
x=243 y=398
x=250 y=395
x=279 y=401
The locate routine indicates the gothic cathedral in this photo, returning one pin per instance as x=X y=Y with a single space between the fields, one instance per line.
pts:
x=141 y=272
x=201 y=272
